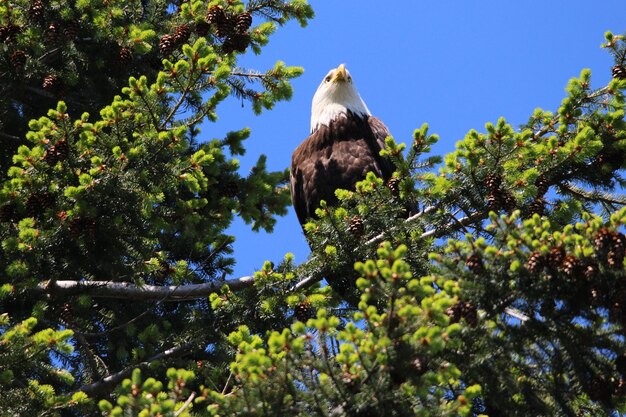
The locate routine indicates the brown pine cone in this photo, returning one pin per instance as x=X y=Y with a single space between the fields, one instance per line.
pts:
x=536 y=262
x=603 y=239
x=571 y=266
x=493 y=182
x=556 y=255
x=356 y=226
x=70 y=30
x=537 y=206
x=303 y=311
x=37 y=203
x=52 y=33
x=52 y=83
x=394 y=185
x=182 y=34
x=167 y=43
x=474 y=263
x=619 y=71
x=215 y=15
x=124 y=56
x=18 y=59
x=36 y=10
x=243 y=21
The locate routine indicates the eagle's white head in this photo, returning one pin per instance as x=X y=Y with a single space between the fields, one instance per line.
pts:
x=336 y=95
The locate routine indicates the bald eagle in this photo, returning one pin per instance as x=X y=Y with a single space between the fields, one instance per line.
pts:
x=344 y=145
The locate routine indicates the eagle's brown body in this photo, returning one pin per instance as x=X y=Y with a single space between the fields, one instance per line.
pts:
x=344 y=145
x=337 y=155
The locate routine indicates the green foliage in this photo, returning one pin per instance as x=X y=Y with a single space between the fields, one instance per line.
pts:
x=108 y=176
x=148 y=398
x=386 y=360
x=489 y=281
x=23 y=353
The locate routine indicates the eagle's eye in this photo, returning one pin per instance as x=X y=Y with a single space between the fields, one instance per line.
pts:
x=328 y=78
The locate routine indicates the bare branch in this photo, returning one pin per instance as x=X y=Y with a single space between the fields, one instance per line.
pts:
x=182 y=409
x=410 y=219
x=128 y=291
x=108 y=383
x=177 y=293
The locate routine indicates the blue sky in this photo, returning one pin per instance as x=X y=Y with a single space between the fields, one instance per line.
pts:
x=452 y=64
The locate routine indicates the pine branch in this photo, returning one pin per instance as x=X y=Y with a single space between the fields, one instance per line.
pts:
x=128 y=291
x=177 y=293
x=593 y=195
x=108 y=383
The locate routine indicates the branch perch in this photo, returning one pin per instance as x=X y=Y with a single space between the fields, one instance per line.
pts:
x=128 y=291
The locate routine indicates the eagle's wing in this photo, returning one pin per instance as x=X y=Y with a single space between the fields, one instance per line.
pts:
x=336 y=156
x=297 y=187
x=380 y=133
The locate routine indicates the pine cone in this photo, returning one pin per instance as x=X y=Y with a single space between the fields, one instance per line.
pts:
x=615 y=259
x=493 y=182
x=52 y=83
x=394 y=185
x=619 y=71
x=616 y=247
x=70 y=30
x=125 y=56
x=52 y=33
x=536 y=262
x=224 y=23
x=57 y=152
x=236 y=42
x=604 y=237
x=454 y=312
x=508 y=201
x=18 y=59
x=493 y=203
x=556 y=255
x=303 y=311
x=36 y=10
x=356 y=226
x=182 y=34
x=202 y=28
x=62 y=149
x=537 y=206
x=619 y=242
x=420 y=365
x=571 y=266
x=474 y=263
x=243 y=21
x=463 y=310
x=167 y=43
x=590 y=270
x=215 y=15
x=66 y=314
x=470 y=314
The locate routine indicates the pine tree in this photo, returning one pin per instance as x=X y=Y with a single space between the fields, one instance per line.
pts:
x=502 y=295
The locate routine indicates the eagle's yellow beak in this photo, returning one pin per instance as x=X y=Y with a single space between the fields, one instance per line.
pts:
x=340 y=73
